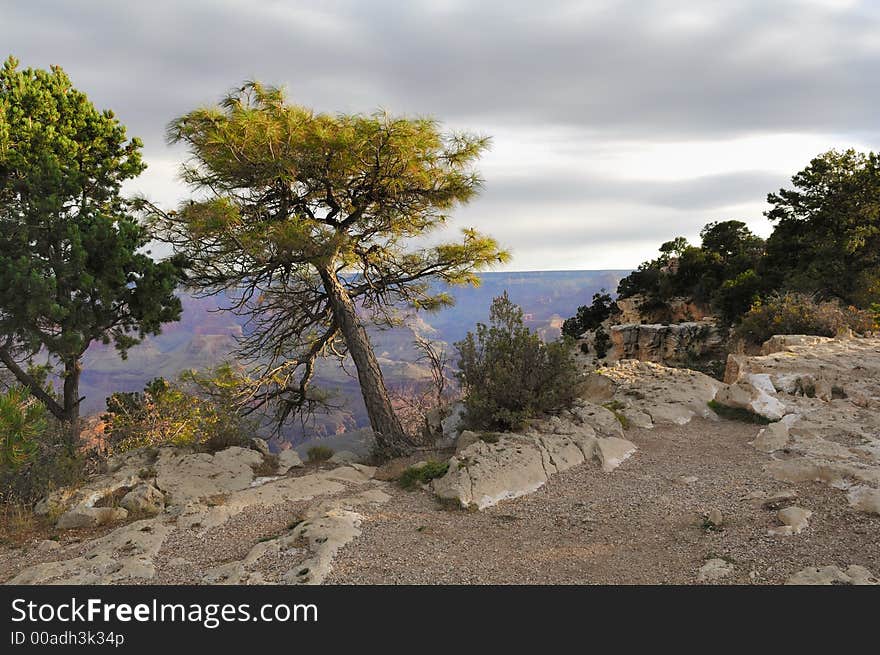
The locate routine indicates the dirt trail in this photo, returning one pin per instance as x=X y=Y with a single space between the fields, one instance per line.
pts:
x=642 y=524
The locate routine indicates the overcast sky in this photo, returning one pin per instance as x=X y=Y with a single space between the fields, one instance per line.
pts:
x=616 y=124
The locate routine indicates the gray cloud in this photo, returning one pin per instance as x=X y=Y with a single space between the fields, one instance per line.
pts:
x=753 y=66
x=710 y=192
x=647 y=71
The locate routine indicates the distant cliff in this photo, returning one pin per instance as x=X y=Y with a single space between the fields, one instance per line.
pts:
x=206 y=336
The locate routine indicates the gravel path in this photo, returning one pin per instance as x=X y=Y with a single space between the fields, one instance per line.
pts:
x=642 y=524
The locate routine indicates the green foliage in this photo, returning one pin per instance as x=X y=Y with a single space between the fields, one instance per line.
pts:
x=827 y=234
x=415 y=475
x=615 y=407
x=314 y=214
x=22 y=425
x=319 y=454
x=72 y=266
x=509 y=375
x=727 y=252
x=737 y=295
x=601 y=342
x=49 y=463
x=799 y=313
x=200 y=409
x=589 y=317
x=737 y=413
x=826 y=241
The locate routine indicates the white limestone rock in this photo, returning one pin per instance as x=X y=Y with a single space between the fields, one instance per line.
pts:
x=714 y=570
x=772 y=438
x=288 y=459
x=832 y=575
x=793 y=519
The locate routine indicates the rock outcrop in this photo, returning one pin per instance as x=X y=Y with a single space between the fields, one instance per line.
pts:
x=664 y=343
x=754 y=393
x=193 y=493
x=635 y=309
x=495 y=467
x=827 y=394
x=645 y=393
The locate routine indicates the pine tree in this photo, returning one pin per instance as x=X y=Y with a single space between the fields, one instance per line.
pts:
x=72 y=266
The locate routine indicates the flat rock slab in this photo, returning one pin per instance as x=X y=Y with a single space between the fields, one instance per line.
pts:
x=865 y=499
x=772 y=438
x=512 y=465
x=128 y=553
x=200 y=475
x=830 y=390
x=613 y=451
x=648 y=393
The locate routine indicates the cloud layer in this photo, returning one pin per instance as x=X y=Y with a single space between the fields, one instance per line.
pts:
x=616 y=124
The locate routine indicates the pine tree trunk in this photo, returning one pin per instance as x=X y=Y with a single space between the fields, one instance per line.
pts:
x=390 y=437
x=72 y=370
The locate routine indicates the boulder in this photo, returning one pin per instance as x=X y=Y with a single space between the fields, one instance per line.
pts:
x=613 y=451
x=465 y=439
x=637 y=418
x=772 y=438
x=753 y=393
x=598 y=388
x=715 y=518
x=484 y=473
x=48 y=545
x=669 y=413
x=602 y=420
x=793 y=519
x=773 y=500
x=144 y=499
x=560 y=453
x=190 y=476
x=733 y=369
x=82 y=516
x=55 y=502
x=648 y=394
x=261 y=446
x=451 y=426
x=865 y=499
x=288 y=459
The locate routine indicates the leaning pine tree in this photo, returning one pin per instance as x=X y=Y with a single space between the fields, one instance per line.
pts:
x=303 y=219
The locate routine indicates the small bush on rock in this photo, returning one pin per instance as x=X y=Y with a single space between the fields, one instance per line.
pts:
x=589 y=317
x=508 y=374
x=799 y=313
x=415 y=475
x=601 y=342
x=319 y=453
x=35 y=457
x=199 y=409
x=22 y=423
